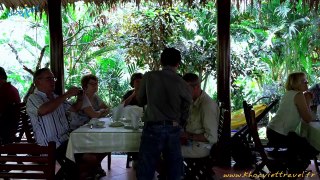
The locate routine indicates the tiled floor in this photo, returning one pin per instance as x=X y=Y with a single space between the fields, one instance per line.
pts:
x=118 y=169
x=120 y=172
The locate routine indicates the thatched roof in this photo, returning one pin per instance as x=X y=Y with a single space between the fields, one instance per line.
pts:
x=42 y=4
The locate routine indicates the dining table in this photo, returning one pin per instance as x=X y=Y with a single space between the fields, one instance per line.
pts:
x=311 y=131
x=92 y=139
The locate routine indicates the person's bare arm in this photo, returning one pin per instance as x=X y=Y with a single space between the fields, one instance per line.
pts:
x=95 y=114
x=78 y=104
x=104 y=106
x=197 y=137
x=308 y=96
x=53 y=104
x=129 y=99
x=303 y=108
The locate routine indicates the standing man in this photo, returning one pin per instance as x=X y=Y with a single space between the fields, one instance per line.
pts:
x=168 y=99
x=202 y=125
x=9 y=97
x=48 y=114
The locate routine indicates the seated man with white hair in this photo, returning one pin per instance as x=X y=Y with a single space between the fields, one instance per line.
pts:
x=201 y=130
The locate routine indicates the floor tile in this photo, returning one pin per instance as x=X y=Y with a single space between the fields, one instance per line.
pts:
x=120 y=172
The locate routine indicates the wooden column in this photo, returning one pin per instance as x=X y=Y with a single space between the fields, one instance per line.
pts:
x=223 y=24
x=56 y=43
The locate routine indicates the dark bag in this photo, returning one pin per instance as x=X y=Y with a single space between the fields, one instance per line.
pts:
x=299 y=146
x=241 y=152
x=9 y=120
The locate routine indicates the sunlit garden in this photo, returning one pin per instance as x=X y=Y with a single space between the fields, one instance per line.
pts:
x=267 y=43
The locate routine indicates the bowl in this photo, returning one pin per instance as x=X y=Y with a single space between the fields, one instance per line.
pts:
x=93 y=121
x=100 y=123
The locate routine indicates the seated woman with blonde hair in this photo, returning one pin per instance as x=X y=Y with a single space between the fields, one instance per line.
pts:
x=293 y=109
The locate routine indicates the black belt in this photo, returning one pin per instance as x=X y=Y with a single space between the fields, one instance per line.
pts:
x=167 y=122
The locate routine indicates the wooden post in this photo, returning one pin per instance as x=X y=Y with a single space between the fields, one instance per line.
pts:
x=223 y=24
x=56 y=43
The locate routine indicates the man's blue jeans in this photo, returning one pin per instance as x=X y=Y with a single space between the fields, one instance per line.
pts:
x=157 y=139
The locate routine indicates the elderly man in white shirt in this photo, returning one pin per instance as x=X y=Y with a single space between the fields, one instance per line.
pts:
x=201 y=130
x=47 y=113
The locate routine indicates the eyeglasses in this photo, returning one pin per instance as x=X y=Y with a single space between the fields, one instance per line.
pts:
x=193 y=84
x=49 y=78
x=93 y=83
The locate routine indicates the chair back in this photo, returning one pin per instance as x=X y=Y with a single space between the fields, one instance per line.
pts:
x=244 y=130
x=253 y=130
x=241 y=142
x=30 y=161
x=24 y=130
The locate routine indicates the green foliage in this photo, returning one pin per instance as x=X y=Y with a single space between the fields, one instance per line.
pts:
x=270 y=44
x=266 y=45
x=112 y=87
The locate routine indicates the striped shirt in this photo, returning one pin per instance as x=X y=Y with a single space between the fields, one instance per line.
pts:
x=50 y=127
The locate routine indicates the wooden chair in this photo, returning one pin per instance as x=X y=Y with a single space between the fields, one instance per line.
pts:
x=241 y=142
x=272 y=163
x=316 y=165
x=33 y=166
x=199 y=168
x=24 y=130
x=202 y=168
x=130 y=156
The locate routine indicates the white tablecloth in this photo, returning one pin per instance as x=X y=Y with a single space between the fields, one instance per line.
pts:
x=101 y=140
x=311 y=131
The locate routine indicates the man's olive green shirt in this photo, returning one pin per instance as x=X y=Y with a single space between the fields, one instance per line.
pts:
x=167 y=96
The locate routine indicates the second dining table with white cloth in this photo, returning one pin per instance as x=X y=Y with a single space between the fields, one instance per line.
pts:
x=311 y=131
x=103 y=139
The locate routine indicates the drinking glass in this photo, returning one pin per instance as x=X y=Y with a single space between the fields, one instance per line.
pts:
x=318 y=112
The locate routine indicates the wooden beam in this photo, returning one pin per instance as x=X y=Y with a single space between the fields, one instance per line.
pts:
x=223 y=25
x=56 y=43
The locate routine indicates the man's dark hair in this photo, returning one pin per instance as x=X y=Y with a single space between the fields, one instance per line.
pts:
x=135 y=76
x=39 y=72
x=3 y=74
x=190 y=77
x=170 y=57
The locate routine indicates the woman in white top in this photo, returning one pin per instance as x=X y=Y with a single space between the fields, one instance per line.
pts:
x=294 y=108
x=92 y=107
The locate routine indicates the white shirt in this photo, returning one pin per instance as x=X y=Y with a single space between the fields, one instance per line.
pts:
x=50 y=127
x=287 y=117
x=204 y=118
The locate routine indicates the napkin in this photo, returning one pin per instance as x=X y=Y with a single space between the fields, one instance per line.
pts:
x=133 y=115
x=117 y=112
